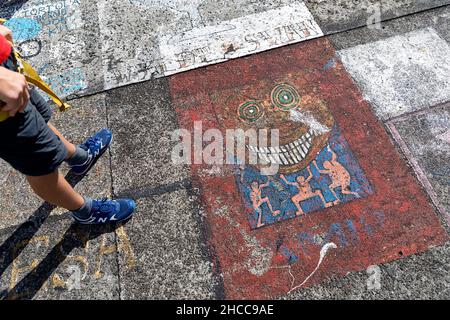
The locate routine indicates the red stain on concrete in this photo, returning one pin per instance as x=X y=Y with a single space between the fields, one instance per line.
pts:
x=397 y=220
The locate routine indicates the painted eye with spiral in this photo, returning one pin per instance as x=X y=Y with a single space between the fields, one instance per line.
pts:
x=250 y=111
x=285 y=97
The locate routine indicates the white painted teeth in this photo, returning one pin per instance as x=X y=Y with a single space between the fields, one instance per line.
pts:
x=289 y=154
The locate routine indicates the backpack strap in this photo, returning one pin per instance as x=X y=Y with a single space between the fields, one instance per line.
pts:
x=33 y=77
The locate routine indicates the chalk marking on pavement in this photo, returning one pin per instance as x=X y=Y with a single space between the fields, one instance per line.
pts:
x=310 y=120
x=201 y=45
x=47 y=31
x=323 y=253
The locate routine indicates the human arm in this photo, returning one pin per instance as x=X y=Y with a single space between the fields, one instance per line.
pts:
x=318 y=169
x=14 y=95
x=311 y=176
x=287 y=181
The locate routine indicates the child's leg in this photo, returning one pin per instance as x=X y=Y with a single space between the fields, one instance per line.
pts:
x=37 y=149
x=33 y=148
x=54 y=189
x=44 y=110
x=70 y=147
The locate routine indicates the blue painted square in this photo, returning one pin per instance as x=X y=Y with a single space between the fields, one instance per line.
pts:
x=336 y=178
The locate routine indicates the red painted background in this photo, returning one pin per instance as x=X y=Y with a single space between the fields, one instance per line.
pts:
x=408 y=223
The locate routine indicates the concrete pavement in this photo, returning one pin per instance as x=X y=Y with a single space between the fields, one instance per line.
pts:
x=193 y=235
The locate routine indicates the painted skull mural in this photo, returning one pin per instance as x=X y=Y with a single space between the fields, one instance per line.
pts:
x=304 y=121
x=317 y=170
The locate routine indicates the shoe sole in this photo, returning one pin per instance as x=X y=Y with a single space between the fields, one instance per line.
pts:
x=95 y=161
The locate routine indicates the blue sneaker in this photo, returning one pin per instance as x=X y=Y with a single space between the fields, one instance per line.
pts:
x=108 y=211
x=95 y=146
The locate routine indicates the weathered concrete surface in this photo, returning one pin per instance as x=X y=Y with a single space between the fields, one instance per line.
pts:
x=60 y=38
x=84 y=46
x=179 y=39
x=425 y=139
x=439 y=19
x=18 y=200
x=170 y=259
x=341 y=15
x=53 y=259
x=403 y=73
x=424 y=276
x=161 y=252
x=142 y=148
x=396 y=220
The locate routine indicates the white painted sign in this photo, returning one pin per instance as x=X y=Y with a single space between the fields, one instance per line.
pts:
x=238 y=37
x=182 y=40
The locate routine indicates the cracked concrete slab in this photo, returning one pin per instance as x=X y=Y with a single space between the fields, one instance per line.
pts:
x=87 y=116
x=425 y=139
x=403 y=73
x=170 y=257
x=143 y=126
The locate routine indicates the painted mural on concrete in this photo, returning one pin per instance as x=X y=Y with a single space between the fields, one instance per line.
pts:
x=332 y=178
x=382 y=214
x=317 y=169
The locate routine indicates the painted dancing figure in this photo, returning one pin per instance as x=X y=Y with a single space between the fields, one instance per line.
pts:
x=305 y=191
x=339 y=176
x=258 y=201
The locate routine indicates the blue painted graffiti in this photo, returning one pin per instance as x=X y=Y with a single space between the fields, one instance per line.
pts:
x=24 y=28
x=51 y=18
x=334 y=177
x=70 y=82
x=290 y=256
x=344 y=234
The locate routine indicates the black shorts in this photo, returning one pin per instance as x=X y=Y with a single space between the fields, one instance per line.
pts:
x=26 y=141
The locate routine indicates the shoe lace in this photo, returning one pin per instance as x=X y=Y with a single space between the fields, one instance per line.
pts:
x=104 y=206
x=91 y=142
